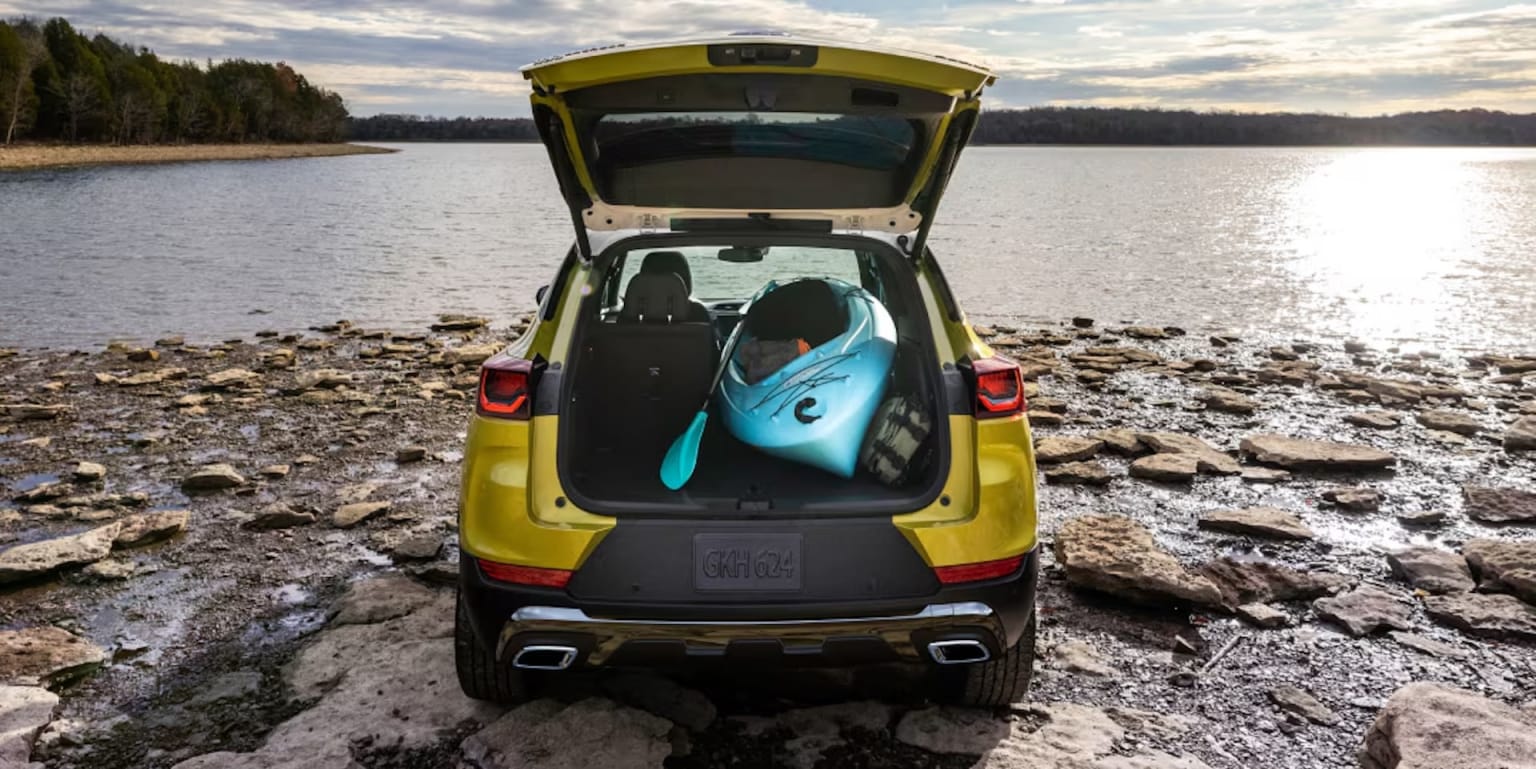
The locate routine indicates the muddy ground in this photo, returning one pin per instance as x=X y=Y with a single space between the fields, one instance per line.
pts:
x=210 y=641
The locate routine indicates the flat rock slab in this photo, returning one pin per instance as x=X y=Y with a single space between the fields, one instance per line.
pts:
x=1263 y=615
x=212 y=478
x=1433 y=726
x=1432 y=570
x=1504 y=565
x=661 y=696
x=1304 y=454
x=1079 y=737
x=381 y=598
x=1228 y=401
x=1116 y=555
x=1484 y=615
x=1169 y=468
x=39 y=559
x=1293 y=700
x=1085 y=473
x=1521 y=436
x=351 y=515
x=1066 y=448
x=590 y=733
x=1269 y=522
x=1375 y=420
x=1365 y=610
x=1357 y=499
x=1450 y=421
x=279 y=515
x=24 y=711
x=953 y=730
x=46 y=655
x=1210 y=460
x=149 y=528
x=1122 y=441
x=1253 y=580
x=1491 y=504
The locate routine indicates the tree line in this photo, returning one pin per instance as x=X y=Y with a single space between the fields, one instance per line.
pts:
x=56 y=84
x=1093 y=125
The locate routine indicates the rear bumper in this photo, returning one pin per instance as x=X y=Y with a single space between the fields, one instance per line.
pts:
x=989 y=615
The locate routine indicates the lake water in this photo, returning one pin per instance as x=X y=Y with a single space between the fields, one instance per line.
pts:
x=1420 y=247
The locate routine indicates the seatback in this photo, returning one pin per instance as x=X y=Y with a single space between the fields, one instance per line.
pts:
x=658 y=297
x=673 y=262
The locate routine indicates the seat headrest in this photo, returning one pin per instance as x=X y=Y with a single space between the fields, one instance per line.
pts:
x=668 y=261
x=656 y=298
x=806 y=309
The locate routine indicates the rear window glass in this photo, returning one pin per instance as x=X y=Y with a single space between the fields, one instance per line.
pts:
x=874 y=142
x=714 y=279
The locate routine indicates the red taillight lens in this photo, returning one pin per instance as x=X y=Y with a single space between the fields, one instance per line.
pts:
x=999 y=387
x=976 y=572
x=524 y=575
x=506 y=388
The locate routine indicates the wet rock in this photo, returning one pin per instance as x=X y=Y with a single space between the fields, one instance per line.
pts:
x=390 y=683
x=149 y=528
x=111 y=569
x=1365 y=610
x=1521 y=436
x=1078 y=736
x=1449 y=421
x=89 y=472
x=381 y=598
x=237 y=685
x=212 y=478
x=661 y=696
x=279 y=515
x=30 y=412
x=1169 y=468
x=1257 y=521
x=1499 y=505
x=38 y=559
x=24 y=712
x=1486 y=615
x=1376 y=420
x=1432 y=570
x=421 y=547
x=543 y=734
x=1303 y=454
x=1066 y=448
x=1228 y=401
x=1504 y=565
x=1085 y=473
x=1293 y=700
x=1427 y=645
x=274 y=472
x=1122 y=441
x=46 y=656
x=1115 y=555
x=355 y=513
x=1263 y=615
x=1255 y=580
x=411 y=454
x=1211 y=460
x=1354 y=498
x=231 y=379
x=1434 y=726
x=1079 y=657
x=952 y=730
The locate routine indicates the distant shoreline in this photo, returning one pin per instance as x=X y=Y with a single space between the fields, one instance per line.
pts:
x=37 y=156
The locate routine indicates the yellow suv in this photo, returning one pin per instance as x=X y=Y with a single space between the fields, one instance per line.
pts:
x=750 y=425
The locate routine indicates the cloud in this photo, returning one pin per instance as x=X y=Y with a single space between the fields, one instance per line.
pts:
x=1354 y=56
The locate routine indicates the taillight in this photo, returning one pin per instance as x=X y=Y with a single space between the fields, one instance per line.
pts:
x=524 y=575
x=506 y=388
x=999 y=387
x=976 y=572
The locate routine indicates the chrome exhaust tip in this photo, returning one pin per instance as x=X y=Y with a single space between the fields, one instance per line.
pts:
x=963 y=651
x=544 y=657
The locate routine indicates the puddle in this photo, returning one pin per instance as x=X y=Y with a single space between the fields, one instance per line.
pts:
x=284 y=629
x=30 y=482
x=292 y=594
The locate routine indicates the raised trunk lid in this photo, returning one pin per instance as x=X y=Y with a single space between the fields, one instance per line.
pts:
x=758 y=129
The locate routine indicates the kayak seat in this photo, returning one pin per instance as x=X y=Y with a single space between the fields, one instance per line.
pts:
x=664 y=262
x=805 y=309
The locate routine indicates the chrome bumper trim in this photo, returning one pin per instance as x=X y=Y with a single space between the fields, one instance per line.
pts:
x=798 y=636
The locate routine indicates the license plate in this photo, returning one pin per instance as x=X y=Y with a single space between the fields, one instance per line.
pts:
x=746 y=562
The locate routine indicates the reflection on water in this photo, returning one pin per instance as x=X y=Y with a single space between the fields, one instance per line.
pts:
x=1434 y=247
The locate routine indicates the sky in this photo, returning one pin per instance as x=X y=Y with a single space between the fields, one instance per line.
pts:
x=461 y=57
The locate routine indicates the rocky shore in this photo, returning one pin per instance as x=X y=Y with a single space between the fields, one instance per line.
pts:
x=33 y=156
x=1259 y=552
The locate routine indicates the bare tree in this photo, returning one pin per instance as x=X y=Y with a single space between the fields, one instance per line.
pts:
x=81 y=97
x=33 y=51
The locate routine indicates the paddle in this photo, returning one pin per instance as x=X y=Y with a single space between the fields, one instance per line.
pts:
x=683 y=456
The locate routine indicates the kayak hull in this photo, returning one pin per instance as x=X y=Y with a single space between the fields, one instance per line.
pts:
x=817 y=408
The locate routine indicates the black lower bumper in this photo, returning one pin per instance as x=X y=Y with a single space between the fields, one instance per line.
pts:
x=657 y=633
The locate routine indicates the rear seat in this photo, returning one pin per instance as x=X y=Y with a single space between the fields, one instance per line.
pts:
x=647 y=373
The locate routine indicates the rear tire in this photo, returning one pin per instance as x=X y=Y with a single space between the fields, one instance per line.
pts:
x=481 y=676
x=996 y=683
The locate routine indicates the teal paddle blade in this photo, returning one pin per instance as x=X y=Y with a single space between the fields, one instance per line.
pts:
x=677 y=466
